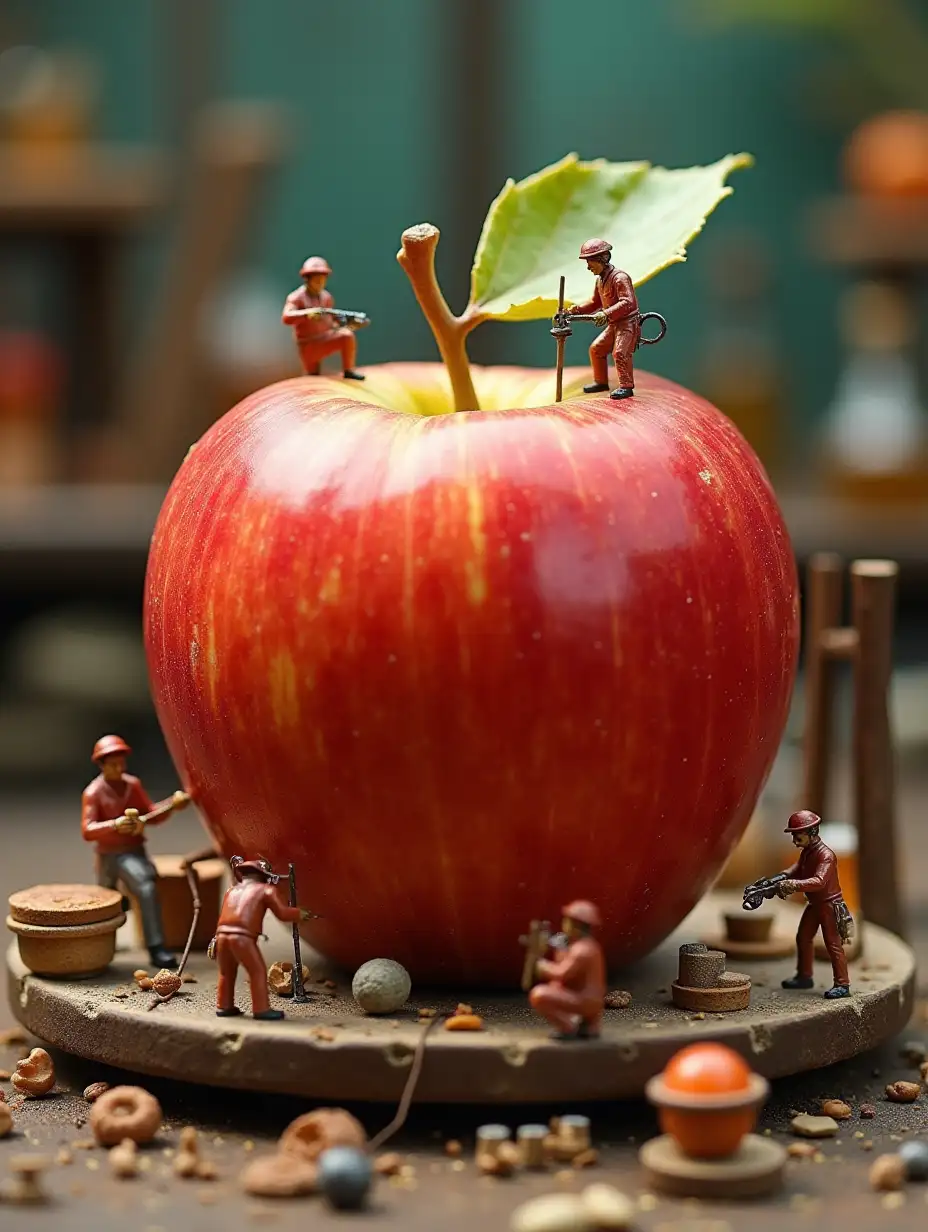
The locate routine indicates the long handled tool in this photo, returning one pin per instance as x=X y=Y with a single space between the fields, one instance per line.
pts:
x=299 y=992
x=560 y=331
x=179 y=800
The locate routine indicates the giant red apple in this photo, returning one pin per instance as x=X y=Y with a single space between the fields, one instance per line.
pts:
x=462 y=668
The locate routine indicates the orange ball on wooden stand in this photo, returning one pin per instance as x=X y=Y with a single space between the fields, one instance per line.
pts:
x=708 y=1100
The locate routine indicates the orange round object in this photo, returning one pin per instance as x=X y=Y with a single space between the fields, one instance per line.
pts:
x=887 y=156
x=708 y=1100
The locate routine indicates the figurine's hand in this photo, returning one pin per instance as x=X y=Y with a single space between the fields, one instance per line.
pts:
x=599 y=318
x=786 y=888
x=131 y=823
x=180 y=799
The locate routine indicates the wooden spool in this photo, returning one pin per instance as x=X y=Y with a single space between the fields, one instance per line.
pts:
x=177 y=904
x=66 y=930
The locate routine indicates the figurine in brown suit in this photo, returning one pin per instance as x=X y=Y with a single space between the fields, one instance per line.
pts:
x=615 y=305
x=573 y=985
x=815 y=874
x=253 y=893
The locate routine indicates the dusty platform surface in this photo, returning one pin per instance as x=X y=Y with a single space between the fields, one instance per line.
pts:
x=327 y=1050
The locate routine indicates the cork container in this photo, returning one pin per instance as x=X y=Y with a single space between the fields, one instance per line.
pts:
x=701 y=970
x=66 y=931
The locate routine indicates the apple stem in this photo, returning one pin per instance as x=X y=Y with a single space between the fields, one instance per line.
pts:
x=417 y=257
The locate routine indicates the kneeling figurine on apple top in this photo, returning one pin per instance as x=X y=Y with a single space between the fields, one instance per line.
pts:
x=814 y=874
x=572 y=986
x=319 y=328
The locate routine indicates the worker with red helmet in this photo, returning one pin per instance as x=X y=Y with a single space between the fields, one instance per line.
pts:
x=318 y=335
x=573 y=985
x=253 y=893
x=615 y=305
x=815 y=874
x=110 y=817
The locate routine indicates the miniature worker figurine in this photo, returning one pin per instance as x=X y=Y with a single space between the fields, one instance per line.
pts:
x=253 y=893
x=110 y=817
x=615 y=305
x=573 y=985
x=815 y=874
x=317 y=334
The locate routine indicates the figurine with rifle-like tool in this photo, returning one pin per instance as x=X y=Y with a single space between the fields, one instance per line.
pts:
x=814 y=874
x=115 y=809
x=614 y=304
x=318 y=326
x=253 y=893
x=567 y=990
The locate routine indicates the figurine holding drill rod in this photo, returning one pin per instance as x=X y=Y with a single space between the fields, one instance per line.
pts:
x=615 y=305
x=318 y=326
x=814 y=874
x=568 y=990
x=253 y=893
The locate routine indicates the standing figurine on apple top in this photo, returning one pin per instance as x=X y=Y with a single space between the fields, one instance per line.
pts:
x=573 y=985
x=253 y=893
x=319 y=327
x=815 y=874
x=115 y=808
x=615 y=305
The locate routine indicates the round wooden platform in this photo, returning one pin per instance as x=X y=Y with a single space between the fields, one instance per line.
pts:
x=327 y=1050
x=754 y=1170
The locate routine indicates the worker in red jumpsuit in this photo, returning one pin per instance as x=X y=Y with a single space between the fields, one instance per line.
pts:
x=815 y=874
x=615 y=305
x=121 y=855
x=573 y=985
x=241 y=919
x=318 y=335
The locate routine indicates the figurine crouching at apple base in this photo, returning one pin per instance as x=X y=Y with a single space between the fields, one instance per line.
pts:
x=814 y=874
x=573 y=986
x=115 y=809
x=310 y=311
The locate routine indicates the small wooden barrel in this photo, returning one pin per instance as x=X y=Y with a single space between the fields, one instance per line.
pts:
x=177 y=904
x=66 y=930
x=750 y=926
x=701 y=970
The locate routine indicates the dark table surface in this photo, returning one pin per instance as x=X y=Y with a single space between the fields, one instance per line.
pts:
x=39 y=841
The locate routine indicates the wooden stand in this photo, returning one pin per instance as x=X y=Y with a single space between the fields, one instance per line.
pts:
x=755 y=1169
x=867 y=645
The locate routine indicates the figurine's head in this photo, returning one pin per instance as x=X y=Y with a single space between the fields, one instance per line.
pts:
x=314 y=273
x=110 y=753
x=596 y=254
x=252 y=870
x=580 y=918
x=803 y=827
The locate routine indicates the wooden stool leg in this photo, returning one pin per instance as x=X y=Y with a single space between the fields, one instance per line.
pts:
x=824 y=583
x=873 y=587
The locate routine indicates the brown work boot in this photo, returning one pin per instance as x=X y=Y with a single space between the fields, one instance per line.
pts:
x=625 y=392
x=350 y=375
x=596 y=388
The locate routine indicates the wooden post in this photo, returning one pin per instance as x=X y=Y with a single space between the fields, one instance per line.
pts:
x=824 y=579
x=873 y=586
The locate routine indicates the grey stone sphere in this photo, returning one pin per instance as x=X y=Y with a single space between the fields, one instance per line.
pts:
x=914 y=1154
x=381 y=986
x=344 y=1177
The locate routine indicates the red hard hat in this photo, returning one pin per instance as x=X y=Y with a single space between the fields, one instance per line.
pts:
x=107 y=745
x=595 y=248
x=240 y=867
x=314 y=265
x=583 y=912
x=802 y=821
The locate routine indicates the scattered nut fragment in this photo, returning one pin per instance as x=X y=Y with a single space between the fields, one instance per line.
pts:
x=125 y=1112
x=5 y=1075
x=206 y=1170
x=453 y=1148
x=801 y=1150
x=464 y=1022
x=314 y=1132
x=552 y=1212
x=617 y=999
x=94 y=1091
x=166 y=983
x=188 y=979
x=388 y=1164
x=185 y=1164
x=587 y=1158
x=24 y=1187
x=35 y=1074
x=279 y=1176
x=140 y=974
x=323 y=1033
x=806 y=1126
x=146 y=985
x=887 y=1172
x=6 y=1120
x=867 y=1111
x=64 y=1157
x=607 y=1208
x=913 y=1052
x=901 y=1092
x=502 y=1162
x=837 y=1109
x=124 y=1160
x=426 y=1011
x=280 y=978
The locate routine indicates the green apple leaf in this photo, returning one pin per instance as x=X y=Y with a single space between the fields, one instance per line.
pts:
x=534 y=229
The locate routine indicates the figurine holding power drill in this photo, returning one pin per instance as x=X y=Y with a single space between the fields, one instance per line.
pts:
x=814 y=874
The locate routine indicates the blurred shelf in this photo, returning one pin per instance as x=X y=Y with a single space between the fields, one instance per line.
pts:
x=101 y=187
x=77 y=523
x=864 y=231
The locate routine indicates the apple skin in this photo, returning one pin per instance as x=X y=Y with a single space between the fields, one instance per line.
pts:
x=465 y=668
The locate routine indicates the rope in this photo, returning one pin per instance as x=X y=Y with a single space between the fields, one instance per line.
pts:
x=194 y=883
x=408 y=1091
